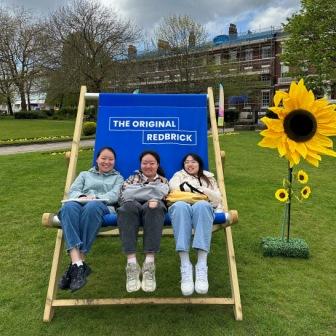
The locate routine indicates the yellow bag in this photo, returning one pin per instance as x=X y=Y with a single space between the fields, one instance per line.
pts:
x=185 y=196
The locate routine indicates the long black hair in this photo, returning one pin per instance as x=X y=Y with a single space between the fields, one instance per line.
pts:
x=200 y=162
x=160 y=170
x=102 y=149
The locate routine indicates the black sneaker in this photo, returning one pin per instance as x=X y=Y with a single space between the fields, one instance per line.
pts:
x=65 y=280
x=87 y=269
x=78 y=277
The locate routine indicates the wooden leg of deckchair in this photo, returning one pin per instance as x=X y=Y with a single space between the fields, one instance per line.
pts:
x=52 y=288
x=237 y=308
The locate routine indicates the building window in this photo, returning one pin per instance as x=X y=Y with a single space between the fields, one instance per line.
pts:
x=266 y=52
x=248 y=54
x=233 y=55
x=217 y=59
x=265 y=77
x=265 y=98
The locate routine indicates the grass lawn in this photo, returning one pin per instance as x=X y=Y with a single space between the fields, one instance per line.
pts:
x=279 y=296
x=19 y=129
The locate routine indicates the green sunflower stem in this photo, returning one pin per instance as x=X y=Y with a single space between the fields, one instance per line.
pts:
x=288 y=205
x=284 y=222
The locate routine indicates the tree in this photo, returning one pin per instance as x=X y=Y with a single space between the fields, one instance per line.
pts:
x=20 y=51
x=311 y=44
x=84 y=39
x=178 y=36
x=6 y=86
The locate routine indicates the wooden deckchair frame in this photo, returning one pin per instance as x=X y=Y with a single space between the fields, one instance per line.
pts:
x=52 y=301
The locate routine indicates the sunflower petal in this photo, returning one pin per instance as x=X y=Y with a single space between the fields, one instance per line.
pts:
x=271 y=133
x=274 y=124
x=312 y=161
x=291 y=145
x=314 y=155
x=323 y=140
x=282 y=148
x=279 y=96
x=268 y=142
x=320 y=149
x=301 y=149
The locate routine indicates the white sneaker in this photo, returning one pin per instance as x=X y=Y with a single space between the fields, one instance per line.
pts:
x=187 y=282
x=133 y=277
x=201 y=283
x=148 y=277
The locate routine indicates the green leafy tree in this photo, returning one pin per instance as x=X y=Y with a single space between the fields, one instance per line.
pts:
x=310 y=49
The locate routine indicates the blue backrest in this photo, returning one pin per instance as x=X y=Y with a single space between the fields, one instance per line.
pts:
x=170 y=124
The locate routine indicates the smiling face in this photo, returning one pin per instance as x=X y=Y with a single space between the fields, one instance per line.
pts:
x=105 y=161
x=191 y=166
x=149 y=166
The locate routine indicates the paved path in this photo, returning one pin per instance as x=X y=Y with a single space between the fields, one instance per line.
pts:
x=46 y=147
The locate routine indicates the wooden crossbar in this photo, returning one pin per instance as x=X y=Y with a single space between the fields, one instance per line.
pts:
x=52 y=301
x=138 y=301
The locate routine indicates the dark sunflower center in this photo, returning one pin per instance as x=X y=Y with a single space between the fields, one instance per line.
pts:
x=305 y=191
x=282 y=195
x=300 y=125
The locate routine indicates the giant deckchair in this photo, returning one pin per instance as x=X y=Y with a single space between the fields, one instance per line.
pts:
x=172 y=125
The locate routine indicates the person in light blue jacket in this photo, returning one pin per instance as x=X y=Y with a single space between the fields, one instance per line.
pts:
x=94 y=193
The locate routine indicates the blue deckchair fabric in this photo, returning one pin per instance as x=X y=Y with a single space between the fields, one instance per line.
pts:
x=111 y=219
x=170 y=124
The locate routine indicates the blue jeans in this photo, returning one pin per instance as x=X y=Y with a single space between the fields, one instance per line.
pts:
x=185 y=217
x=81 y=223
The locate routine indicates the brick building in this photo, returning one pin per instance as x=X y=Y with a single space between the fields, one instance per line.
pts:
x=248 y=65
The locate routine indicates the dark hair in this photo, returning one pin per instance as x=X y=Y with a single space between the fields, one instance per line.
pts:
x=200 y=173
x=160 y=171
x=102 y=149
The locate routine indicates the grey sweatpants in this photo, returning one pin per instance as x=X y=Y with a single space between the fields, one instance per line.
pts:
x=131 y=215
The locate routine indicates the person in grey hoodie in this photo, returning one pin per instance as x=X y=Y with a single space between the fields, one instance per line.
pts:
x=141 y=201
x=91 y=196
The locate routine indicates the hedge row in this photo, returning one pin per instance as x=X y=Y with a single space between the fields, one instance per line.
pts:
x=90 y=114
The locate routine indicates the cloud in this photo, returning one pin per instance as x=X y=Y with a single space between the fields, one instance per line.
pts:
x=216 y=15
x=149 y=12
x=271 y=17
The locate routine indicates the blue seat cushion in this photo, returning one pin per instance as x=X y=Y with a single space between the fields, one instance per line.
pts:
x=111 y=219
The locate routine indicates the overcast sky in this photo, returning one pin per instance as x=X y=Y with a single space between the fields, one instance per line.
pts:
x=216 y=15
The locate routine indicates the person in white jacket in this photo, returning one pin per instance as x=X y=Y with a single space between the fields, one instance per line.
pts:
x=198 y=216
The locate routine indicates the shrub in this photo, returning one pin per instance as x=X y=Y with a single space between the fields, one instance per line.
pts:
x=90 y=113
x=231 y=116
x=89 y=128
x=30 y=115
x=66 y=113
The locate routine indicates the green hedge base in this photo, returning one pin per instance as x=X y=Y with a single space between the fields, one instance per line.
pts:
x=277 y=247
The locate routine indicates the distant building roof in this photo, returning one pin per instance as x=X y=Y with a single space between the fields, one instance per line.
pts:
x=249 y=36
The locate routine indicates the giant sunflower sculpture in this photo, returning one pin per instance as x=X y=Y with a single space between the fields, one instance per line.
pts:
x=303 y=126
x=301 y=131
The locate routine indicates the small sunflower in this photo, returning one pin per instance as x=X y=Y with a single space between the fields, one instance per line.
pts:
x=303 y=126
x=281 y=195
x=305 y=192
x=302 y=176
